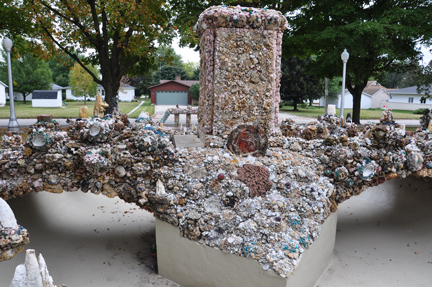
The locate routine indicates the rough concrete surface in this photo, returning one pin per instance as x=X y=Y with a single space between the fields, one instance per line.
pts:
x=384 y=238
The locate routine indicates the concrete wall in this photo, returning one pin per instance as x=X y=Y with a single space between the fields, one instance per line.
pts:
x=195 y=265
x=407 y=106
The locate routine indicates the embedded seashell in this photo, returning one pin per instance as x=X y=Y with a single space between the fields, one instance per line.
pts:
x=415 y=161
x=94 y=130
x=341 y=173
x=160 y=189
x=368 y=171
x=7 y=217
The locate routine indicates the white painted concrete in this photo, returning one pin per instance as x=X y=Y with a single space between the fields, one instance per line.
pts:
x=195 y=265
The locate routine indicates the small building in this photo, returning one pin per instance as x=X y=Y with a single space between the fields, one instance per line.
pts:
x=408 y=99
x=373 y=96
x=19 y=96
x=47 y=99
x=171 y=92
x=2 y=94
x=126 y=93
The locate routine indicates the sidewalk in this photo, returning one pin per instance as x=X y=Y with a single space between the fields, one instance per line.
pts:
x=160 y=110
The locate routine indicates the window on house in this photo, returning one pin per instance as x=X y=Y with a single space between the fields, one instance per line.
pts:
x=411 y=100
x=423 y=100
x=103 y=93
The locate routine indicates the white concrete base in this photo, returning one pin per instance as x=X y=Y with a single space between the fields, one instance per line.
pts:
x=191 y=264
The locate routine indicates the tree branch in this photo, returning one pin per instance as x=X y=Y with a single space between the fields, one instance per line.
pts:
x=73 y=56
x=95 y=18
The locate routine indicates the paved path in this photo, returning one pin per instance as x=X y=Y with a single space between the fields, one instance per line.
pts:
x=160 y=110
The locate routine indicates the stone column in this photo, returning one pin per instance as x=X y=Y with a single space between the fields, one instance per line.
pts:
x=176 y=120
x=188 y=120
x=240 y=68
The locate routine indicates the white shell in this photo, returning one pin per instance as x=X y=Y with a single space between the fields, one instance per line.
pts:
x=7 y=217
x=160 y=189
x=39 y=140
x=369 y=170
x=94 y=130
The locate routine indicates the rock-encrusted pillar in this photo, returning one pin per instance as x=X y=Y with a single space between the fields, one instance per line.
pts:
x=240 y=68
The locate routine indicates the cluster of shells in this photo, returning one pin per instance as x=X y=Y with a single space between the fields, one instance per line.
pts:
x=267 y=206
x=240 y=67
x=240 y=17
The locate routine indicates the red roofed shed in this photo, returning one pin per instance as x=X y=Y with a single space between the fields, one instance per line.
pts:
x=171 y=92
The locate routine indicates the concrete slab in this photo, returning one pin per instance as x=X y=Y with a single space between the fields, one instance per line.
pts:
x=187 y=141
x=194 y=265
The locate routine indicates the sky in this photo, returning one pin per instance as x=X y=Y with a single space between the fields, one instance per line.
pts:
x=188 y=55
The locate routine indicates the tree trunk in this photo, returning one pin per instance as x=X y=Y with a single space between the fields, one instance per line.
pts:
x=356 y=92
x=111 y=87
x=24 y=98
x=295 y=102
x=85 y=97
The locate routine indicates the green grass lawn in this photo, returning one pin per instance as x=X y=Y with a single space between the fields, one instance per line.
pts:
x=70 y=111
x=146 y=107
x=364 y=114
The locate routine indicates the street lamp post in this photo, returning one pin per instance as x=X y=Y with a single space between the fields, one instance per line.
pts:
x=13 y=123
x=344 y=57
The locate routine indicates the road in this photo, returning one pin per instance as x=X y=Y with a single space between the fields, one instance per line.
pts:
x=160 y=110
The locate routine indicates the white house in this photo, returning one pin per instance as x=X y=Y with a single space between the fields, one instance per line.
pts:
x=373 y=96
x=19 y=97
x=408 y=99
x=2 y=94
x=47 y=99
x=126 y=93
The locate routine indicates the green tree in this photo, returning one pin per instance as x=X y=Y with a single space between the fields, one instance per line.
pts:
x=60 y=67
x=196 y=74
x=166 y=56
x=118 y=36
x=190 y=68
x=29 y=74
x=194 y=91
x=379 y=35
x=82 y=83
x=424 y=81
x=169 y=73
x=297 y=85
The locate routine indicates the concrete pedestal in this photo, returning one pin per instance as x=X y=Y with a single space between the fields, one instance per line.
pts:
x=191 y=264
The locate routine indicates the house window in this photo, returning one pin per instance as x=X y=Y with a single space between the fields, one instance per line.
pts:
x=103 y=92
x=423 y=100
x=411 y=100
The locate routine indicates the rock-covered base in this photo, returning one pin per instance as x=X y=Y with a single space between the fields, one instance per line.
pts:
x=269 y=207
x=13 y=237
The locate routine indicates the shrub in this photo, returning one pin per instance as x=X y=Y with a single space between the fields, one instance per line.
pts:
x=70 y=100
x=419 y=111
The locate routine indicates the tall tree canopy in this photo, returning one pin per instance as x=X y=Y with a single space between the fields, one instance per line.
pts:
x=377 y=34
x=29 y=74
x=296 y=84
x=119 y=36
x=424 y=80
x=60 y=67
x=169 y=73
